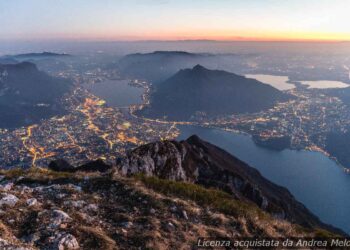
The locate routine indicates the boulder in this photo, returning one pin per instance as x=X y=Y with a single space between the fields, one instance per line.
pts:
x=6 y=187
x=59 y=217
x=32 y=202
x=67 y=242
x=9 y=200
x=94 y=166
x=61 y=165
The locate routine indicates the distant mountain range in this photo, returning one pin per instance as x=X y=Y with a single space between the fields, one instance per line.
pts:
x=28 y=95
x=159 y=65
x=213 y=92
x=43 y=54
x=30 y=56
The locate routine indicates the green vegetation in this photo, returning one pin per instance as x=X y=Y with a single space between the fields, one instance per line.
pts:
x=216 y=199
x=34 y=173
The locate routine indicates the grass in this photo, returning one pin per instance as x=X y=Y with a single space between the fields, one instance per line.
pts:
x=34 y=173
x=96 y=239
x=324 y=234
x=213 y=198
x=219 y=201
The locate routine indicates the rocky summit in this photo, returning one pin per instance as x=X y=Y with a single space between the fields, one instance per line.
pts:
x=163 y=195
x=200 y=162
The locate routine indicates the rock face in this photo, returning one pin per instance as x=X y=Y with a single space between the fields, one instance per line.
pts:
x=200 y=162
x=162 y=159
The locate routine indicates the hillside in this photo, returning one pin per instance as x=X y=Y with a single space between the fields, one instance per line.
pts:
x=43 y=209
x=164 y=195
x=337 y=145
x=213 y=92
x=200 y=162
x=28 y=95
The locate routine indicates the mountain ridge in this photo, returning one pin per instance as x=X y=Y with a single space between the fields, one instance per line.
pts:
x=162 y=195
x=157 y=66
x=28 y=95
x=210 y=92
x=199 y=162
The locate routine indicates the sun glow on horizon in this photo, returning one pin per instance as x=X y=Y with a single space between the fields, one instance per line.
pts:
x=132 y=20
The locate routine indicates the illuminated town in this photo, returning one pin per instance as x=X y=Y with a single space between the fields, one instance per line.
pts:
x=92 y=129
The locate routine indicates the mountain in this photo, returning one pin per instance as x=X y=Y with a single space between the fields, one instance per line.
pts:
x=213 y=92
x=338 y=146
x=41 y=55
x=30 y=56
x=200 y=162
x=28 y=95
x=159 y=65
x=188 y=190
x=342 y=93
x=8 y=60
x=337 y=142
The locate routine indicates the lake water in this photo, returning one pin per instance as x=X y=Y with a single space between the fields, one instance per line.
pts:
x=281 y=82
x=117 y=93
x=324 y=84
x=278 y=82
x=315 y=180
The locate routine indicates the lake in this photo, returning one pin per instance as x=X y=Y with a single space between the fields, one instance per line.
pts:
x=281 y=82
x=315 y=180
x=278 y=82
x=117 y=93
x=324 y=84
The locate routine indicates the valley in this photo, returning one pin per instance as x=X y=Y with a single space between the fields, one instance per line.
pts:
x=101 y=125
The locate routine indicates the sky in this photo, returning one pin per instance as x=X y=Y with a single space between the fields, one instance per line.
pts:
x=113 y=20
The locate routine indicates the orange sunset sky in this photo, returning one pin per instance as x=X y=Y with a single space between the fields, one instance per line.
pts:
x=253 y=20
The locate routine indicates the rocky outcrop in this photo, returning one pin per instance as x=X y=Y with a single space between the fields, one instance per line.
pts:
x=163 y=159
x=105 y=211
x=200 y=162
x=93 y=166
x=62 y=165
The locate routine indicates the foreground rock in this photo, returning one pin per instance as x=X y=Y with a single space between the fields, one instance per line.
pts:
x=8 y=200
x=56 y=210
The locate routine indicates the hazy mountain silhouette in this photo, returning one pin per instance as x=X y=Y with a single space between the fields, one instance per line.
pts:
x=27 y=94
x=213 y=92
x=159 y=65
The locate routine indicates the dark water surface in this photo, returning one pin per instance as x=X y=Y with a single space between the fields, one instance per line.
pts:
x=117 y=93
x=314 y=179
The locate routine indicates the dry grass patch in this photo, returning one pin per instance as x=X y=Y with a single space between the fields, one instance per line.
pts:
x=95 y=238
